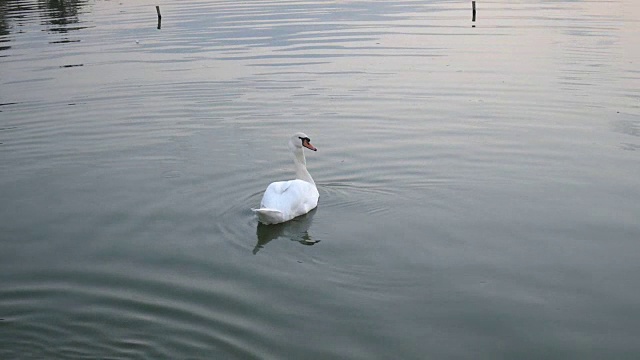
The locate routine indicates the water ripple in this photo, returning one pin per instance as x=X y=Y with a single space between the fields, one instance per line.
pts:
x=131 y=157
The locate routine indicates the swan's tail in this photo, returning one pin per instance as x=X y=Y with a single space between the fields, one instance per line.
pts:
x=269 y=216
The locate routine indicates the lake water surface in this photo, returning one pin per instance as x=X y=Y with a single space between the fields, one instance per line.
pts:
x=479 y=181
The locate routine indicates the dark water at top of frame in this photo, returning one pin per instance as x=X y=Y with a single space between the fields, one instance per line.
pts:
x=479 y=181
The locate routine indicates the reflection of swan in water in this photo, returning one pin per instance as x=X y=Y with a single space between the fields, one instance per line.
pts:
x=295 y=230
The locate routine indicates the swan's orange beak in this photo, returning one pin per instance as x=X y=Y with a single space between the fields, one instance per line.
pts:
x=308 y=145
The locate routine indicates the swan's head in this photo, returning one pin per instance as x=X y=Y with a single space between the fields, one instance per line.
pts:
x=299 y=140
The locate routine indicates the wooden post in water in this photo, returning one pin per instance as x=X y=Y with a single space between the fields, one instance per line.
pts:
x=473 y=11
x=159 y=16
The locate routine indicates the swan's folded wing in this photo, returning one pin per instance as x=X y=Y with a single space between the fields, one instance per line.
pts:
x=275 y=195
x=304 y=197
x=279 y=187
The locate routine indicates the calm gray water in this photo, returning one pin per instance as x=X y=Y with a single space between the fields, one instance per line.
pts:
x=479 y=185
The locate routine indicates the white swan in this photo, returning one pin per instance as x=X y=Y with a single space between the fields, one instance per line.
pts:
x=285 y=200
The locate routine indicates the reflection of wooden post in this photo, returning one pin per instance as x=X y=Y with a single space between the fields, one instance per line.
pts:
x=159 y=16
x=473 y=11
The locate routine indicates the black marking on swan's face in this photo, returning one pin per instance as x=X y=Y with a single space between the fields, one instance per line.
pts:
x=306 y=142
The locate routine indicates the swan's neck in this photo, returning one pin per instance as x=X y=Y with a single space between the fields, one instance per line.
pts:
x=301 y=167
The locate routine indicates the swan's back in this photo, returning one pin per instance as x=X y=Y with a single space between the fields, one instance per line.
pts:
x=291 y=198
